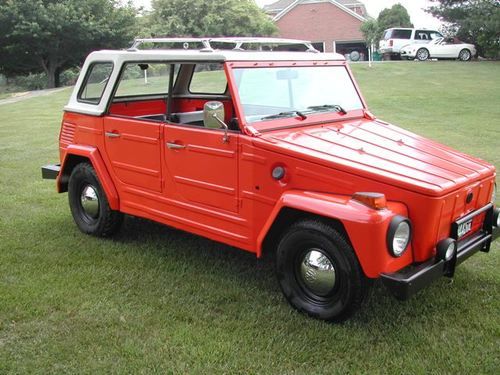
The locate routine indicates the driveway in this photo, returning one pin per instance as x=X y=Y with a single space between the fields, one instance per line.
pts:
x=18 y=97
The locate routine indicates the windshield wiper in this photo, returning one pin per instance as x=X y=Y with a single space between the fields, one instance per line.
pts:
x=327 y=107
x=285 y=114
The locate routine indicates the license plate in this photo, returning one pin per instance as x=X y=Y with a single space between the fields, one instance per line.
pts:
x=464 y=228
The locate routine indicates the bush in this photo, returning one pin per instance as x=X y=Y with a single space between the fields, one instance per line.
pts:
x=69 y=77
x=37 y=81
x=30 y=82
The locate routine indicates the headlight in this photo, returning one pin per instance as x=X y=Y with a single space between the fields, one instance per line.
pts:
x=446 y=249
x=398 y=235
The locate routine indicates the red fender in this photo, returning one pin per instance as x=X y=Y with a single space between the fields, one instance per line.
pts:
x=92 y=153
x=365 y=227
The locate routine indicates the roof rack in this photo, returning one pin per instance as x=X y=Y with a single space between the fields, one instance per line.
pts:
x=237 y=41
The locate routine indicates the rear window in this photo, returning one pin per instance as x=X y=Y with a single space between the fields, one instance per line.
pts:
x=95 y=82
x=401 y=34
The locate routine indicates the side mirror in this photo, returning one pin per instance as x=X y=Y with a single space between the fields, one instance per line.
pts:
x=213 y=113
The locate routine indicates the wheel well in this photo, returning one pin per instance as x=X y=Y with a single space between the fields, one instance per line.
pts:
x=286 y=217
x=71 y=162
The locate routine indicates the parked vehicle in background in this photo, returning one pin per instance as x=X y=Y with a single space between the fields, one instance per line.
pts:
x=440 y=48
x=396 y=38
x=271 y=151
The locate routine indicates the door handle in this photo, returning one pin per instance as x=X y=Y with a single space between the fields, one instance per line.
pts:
x=112 y=135
x=175 y=146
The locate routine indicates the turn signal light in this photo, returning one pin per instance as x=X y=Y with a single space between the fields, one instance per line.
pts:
x=376 y=201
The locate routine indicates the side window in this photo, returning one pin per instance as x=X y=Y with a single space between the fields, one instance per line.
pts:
x=95 y=82
x=435 y=35
x=140 y=79
x=208 y=79
x=401 y=34
x=422 y=35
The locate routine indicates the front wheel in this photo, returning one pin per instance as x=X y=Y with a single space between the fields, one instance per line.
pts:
x=464 y=55
x=422 y=54
x=319 y=273
x=89 y=205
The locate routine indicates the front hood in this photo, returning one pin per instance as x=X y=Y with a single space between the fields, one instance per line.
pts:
x=386 y=153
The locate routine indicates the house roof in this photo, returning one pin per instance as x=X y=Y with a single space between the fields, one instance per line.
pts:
x=281 y=5
x=292 y=4
x=278 y=5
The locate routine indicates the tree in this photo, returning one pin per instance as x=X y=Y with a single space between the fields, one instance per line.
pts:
x=209 y=18
x=397 y=16
x=370 y=31
x=52 y=35
x=473 y=21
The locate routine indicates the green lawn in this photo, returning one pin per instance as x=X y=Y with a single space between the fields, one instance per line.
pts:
x=155 y=299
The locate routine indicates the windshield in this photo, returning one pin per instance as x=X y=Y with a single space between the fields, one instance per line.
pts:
x=270 y=93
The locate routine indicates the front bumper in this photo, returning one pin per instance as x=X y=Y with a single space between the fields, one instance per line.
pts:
x=406 y=282
x=50 y=172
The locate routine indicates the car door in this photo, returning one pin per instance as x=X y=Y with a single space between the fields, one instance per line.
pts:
x=444 y=49
x=202 y=167
x=132 y=125
x=201 y=161
x=133 y=148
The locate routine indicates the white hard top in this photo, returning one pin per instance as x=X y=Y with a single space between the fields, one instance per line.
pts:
x=215 y=55
x=206 y=54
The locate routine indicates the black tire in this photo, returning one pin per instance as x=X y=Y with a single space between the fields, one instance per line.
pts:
x=104 y=222
x=465 y=55
x=350 y=286
x=422 y=54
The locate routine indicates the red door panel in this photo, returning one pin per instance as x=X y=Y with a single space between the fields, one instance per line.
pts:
x=202 y=168
x=133 y=148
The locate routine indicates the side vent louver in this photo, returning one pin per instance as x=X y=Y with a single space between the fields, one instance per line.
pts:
x=68 y=132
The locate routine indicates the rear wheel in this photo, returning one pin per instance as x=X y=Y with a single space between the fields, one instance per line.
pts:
x=423 y=54
x=89 y=205
x=464 y=55
x=319 y=273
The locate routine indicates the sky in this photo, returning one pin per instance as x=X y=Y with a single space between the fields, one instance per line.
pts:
x=415 y=8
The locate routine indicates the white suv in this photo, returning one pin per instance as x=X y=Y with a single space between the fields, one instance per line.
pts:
x=396 y=38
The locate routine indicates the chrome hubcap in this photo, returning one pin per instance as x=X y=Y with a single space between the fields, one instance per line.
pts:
x=90 y=201
x=317 y=272
x=465 y=55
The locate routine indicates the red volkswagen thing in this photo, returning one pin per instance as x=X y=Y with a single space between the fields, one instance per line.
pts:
x=242 y=142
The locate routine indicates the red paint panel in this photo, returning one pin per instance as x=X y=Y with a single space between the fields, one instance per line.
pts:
x=138 y=108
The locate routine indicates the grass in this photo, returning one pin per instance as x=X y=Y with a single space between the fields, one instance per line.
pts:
x=155 y=299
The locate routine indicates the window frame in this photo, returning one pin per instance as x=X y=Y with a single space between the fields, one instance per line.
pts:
x=122 y=72
x=207 y=93
x=146 y=97
x=87 y=77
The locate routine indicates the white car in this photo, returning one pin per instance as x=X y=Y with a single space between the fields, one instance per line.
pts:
x=440 y=48
x=397 y=37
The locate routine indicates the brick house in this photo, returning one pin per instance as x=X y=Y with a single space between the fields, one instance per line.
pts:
x=332 y=25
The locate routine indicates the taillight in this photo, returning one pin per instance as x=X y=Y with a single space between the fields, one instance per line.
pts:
x=391 y=42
